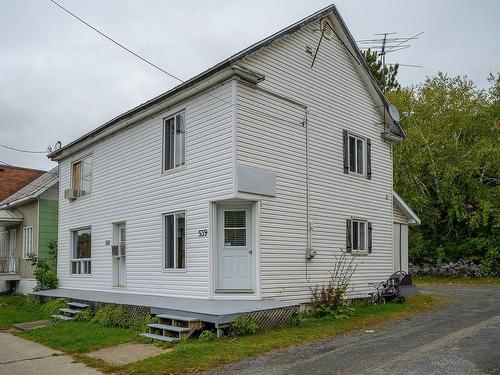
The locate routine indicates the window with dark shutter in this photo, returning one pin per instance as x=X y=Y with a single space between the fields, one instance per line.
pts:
x=346 y=151
x=368 y=158
x=348 y=246
x=369 y=237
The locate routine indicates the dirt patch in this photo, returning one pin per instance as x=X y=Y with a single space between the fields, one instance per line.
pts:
x=127 y=353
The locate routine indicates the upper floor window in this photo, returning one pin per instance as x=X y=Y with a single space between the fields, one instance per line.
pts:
x=357 y=155
x=81 y=176
x=174 y=141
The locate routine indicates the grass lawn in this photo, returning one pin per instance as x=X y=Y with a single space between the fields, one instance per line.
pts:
x=195 y=356
x=15 y=309
x=78 y=337
x=429 y=280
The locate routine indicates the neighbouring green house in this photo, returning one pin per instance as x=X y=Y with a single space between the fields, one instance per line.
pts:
x=28 y=223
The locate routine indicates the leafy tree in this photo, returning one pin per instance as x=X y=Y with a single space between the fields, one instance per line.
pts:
x=385 y=76
x=448 y=168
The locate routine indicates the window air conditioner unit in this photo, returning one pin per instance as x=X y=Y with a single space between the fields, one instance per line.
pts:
x=118 y=250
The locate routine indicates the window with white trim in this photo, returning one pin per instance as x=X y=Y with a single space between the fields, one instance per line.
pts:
x=174 y=141
x=81 y=176
x=174 y=240
x=359 y=235
x=27 y=241
x=356 y=154
x=81 y=251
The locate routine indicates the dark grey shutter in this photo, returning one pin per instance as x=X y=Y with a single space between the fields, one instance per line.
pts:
x=346 y=151
x=369 y=158
x=348 y=245
x=369 y=238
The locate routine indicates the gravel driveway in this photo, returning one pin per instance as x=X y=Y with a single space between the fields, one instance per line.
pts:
x=462 y=338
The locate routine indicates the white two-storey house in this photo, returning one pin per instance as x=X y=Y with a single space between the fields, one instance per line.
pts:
x=241 y=183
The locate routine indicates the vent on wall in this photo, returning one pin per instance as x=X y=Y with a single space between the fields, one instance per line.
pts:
x=326 y=28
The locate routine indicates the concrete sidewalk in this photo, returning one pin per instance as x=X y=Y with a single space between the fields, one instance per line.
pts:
x=22 y=357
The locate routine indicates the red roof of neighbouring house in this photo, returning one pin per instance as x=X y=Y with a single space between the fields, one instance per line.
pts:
x=14 y=178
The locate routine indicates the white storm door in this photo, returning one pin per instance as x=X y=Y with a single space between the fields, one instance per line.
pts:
x=235 y=251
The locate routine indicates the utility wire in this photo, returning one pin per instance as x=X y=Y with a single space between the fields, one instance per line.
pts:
x=26 y=151
x=239 y=105
x=115 y=42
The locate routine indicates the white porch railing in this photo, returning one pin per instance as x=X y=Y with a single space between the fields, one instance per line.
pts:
x=9 y=265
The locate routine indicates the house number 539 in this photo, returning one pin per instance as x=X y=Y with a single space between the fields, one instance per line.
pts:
x=203 y=233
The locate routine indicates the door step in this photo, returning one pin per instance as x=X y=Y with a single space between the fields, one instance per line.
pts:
x=166 y=327
x=160 y=337
x=78 y=305
x=70 y=312
x=61 y=317
x=173 y=327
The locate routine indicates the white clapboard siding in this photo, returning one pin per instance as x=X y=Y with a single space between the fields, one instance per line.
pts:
x=399 y=216
x=337 y=99
x=127 y=185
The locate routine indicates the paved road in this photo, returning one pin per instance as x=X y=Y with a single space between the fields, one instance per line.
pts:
x=22 y=357
x=463 y=338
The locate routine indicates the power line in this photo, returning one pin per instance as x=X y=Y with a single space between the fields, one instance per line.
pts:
x=25 y=151
x=238 y=105
x=115 y=42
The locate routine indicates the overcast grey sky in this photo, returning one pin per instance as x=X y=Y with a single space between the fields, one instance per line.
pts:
x=59 y=79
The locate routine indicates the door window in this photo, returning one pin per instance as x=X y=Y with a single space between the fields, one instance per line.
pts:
x=235 y=228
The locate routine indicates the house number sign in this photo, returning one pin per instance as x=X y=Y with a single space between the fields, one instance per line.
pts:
x=202 y=232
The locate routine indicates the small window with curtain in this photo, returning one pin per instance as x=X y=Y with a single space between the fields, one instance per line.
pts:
x=81 y=176
x=174 y=242
x=174 y=141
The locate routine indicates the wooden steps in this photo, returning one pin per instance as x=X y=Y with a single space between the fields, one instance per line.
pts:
x=70 y=312
x=159 y=337
x=172 y=328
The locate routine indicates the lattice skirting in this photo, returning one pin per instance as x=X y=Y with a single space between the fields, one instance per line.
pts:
x=273 y=318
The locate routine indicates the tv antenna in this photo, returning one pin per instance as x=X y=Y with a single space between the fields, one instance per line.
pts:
x=385 y=43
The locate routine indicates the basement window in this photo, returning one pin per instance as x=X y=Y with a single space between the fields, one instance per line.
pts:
x=174 y=242
x=174 y=141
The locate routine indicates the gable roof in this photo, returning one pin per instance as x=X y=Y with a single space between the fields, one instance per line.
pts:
x=405 y=209
x=395 y=127
x=14 y=178
x=33 y=189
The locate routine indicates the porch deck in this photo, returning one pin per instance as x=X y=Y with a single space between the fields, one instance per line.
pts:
x=213 y=311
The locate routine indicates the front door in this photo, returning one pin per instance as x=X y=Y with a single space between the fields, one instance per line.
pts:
x=119 y=256
x=235 y=251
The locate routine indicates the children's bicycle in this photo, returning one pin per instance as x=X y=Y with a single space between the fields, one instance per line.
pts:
x=388 y=290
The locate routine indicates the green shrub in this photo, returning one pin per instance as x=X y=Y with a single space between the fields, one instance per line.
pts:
x=296 y=320
x=244 y=325
x=52 y=306
x=85 y=316
x=207 y=336
x=46 y=276
x=112 y=316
